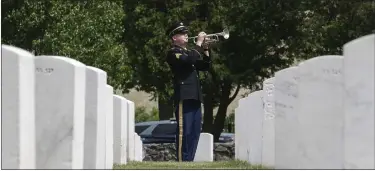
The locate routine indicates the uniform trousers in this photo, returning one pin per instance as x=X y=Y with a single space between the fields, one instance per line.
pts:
x=188 y=116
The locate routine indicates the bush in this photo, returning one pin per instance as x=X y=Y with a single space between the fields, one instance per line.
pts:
x=141 y=115
x=229 y=123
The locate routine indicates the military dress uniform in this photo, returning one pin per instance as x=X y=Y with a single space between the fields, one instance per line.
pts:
x=185 y=65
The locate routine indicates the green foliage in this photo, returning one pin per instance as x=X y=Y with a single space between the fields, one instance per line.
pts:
x=89 y=32
x=328 y=25
x=127 y=39
x=252 y=53
x=141 y=115
x=24 y=21
x=229 y=123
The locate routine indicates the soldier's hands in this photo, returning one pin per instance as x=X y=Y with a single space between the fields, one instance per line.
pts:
x=201 y=37
x=205 y=46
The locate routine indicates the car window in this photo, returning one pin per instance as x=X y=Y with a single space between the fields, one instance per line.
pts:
x=164 y=129
x=140 y=129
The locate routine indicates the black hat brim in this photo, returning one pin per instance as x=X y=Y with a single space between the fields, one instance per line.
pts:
x=181 y=30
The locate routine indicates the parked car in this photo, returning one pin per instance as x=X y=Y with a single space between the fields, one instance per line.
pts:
x=164 y=132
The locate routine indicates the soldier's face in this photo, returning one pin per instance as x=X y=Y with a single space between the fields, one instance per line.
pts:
x=181 y=38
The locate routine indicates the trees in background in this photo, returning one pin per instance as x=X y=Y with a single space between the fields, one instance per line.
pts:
x=259 y=34
x=328 y=25
x=128 y=40
x=88 y=31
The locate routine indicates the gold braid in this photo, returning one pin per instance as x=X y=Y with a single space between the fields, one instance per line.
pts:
x=180 y=117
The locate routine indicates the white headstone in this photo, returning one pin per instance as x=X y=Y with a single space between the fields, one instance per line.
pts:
x=140 y=149
x=137 y=147
x=253 y=122
x=109 y=128
x=205 y=148
x=130 y=136
x=286 y=101
x=268 y=148
x=248 y=128
x=120 y=110
x=18 y=110
x=60 y=112
x=141 y=153
x=240 y=151
x=359 y=74
x=94 y=155
x=320 y=113
x=1 y=83
x=237 y=125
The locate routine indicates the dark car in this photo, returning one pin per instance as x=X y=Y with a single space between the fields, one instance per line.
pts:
x=164 y=132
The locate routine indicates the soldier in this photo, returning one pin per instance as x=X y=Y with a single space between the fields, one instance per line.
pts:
x=185 y=65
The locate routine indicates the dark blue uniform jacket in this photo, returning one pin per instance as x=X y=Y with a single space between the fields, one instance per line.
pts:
x=185 y=65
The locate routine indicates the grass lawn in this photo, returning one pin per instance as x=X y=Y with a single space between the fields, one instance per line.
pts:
x=189 y=165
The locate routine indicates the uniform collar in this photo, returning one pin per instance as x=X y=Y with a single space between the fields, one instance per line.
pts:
x=177 y=46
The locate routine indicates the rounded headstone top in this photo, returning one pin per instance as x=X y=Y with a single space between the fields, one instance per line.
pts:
x=109 y=87
x=205 y=133
x=118 y=97
x=286 y=70
x=61 y=58
x=255 y=93
x=269 y=80
x=16 y=50
x=98 y=70
x=130 y=102
x=322 y=59
x=367 y=39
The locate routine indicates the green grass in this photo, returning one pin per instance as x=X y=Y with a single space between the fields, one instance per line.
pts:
x=189 y=165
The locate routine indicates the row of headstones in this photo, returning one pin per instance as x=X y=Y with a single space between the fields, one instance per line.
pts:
x=58 y=113
x=317 y=115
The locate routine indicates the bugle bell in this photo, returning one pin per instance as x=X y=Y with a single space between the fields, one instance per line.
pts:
x=210 y=38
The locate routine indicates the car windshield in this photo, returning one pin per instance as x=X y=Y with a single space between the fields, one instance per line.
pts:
x=140 y=128
x=164 y=129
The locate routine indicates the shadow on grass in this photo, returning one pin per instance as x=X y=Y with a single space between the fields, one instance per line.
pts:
x=234 y=164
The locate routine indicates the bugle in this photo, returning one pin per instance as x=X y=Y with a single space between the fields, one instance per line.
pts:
x=210 y=38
